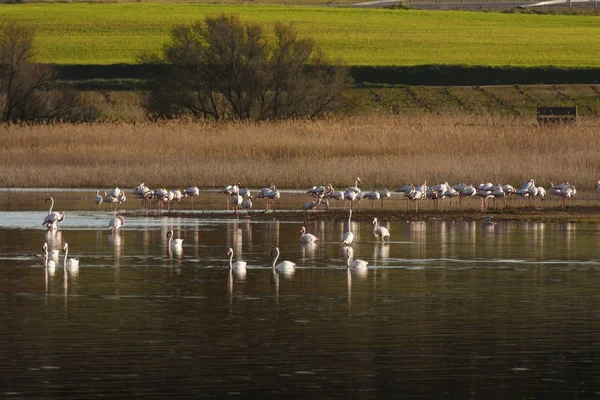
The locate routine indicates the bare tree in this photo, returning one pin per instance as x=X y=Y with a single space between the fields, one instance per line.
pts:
x=222 y=68
x=27 y=89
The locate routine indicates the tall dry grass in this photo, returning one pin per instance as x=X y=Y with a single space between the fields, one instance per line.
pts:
x=384 y=151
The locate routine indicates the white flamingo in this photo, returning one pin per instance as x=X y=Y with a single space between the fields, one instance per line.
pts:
x=98 y=199
x=192 y=192
x=247 y=203
x=71 y=263
x=468 y=192
x=174 y=244
x=116 y=222
x=53 y=218
x=348 y=236
x=598 y=187
x=284 y=267
x=311 y=205
x=307 y=237
x=333 y=194
x=384 y=194
x=238 y=266
x=372 y=195
x=48 y=263
x=380 y=231
x=356 y=264
x=270 y=196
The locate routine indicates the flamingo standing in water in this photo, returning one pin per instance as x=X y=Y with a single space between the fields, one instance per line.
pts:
x=307 y=237
x=98 y=199
x=238 y=267
x=116 y=222
x=53 y=218
x=284 y=267
x=380 y=231
x=348 y=236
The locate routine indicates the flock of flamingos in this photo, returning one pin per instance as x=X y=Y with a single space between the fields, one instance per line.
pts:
x=240 y=198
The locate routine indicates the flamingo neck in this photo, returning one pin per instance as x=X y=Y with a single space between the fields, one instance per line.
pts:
x=51 y=205
x=231 y=261
x=66 y=254
x=275 y=259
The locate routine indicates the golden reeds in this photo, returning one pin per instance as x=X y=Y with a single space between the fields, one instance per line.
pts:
x=385 y=151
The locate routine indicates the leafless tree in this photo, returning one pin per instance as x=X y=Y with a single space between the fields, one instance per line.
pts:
x=223 y=68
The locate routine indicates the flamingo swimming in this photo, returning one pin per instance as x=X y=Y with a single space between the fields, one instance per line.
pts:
x=71 y=263
x=307 y=237
x=49 y=264
x=238 y=266
x=380 y=231
x=356 y=264
x=284 y=267
x=174 y=244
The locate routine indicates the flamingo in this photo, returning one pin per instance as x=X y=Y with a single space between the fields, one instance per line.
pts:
x=348 y=236
x=307 y=237
x=358 y=265
x=174 y=244
x=48 y=264
x=383 y=194
x=564 y=190
x=116 y=222
x=71 y=263
x=176 y=196
x=142 y=192
x=236 y=199
x=598 y=187
x=271 y=196
x=468 y=192
x=284 y=267
x=238 y=266
x=355 y=187
x=380 y=231
x=98 y=199
x=372 y=195
x=53 y=218
x=317 y=191
x=247 y=203
x=311 y=205
x=416 y=195
x=116 y=192
x=192 y=192
x=333 y=194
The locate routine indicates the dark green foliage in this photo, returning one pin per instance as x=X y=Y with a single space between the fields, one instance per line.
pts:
x=27 y=92
x=223 y=68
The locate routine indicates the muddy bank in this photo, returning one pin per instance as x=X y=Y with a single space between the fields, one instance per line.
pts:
x=589 y=214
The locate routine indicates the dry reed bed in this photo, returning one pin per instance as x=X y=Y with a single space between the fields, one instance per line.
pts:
x=383 y=151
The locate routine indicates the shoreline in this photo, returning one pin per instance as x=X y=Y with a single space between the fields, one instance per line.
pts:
x=573 y=214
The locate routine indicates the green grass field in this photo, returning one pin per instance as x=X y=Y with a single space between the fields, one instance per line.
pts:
x=118 y=33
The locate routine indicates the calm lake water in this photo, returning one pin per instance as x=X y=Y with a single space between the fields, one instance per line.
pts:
x=445 y=310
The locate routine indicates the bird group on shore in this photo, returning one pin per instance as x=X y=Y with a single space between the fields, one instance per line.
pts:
x=487 y=191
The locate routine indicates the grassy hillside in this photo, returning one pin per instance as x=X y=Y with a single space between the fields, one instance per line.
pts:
x=118 y=33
